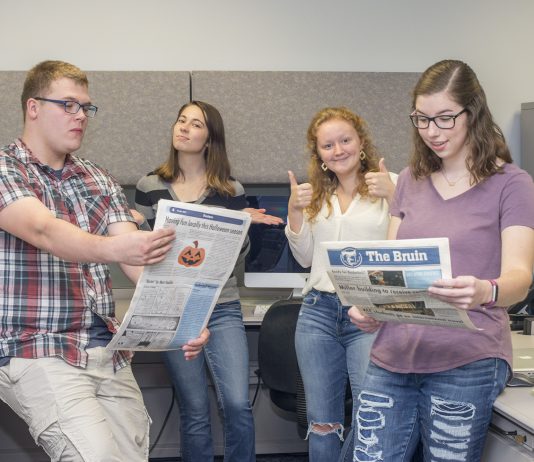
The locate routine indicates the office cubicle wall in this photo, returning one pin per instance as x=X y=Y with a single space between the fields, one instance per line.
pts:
x=10 y=106
x=527 y=137
x=266 y=116
x=131 y=132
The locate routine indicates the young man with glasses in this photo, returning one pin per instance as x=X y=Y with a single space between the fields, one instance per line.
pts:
x=62 y=218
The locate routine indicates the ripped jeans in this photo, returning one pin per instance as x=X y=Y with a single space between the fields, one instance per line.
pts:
x=330 y=349
x=449 y=411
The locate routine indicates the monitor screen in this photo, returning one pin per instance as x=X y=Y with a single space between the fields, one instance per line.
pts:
x=270 y=263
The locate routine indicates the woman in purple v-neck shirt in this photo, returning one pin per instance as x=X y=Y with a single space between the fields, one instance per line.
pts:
x=432 y=384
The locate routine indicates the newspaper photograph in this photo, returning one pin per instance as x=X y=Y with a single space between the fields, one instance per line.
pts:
x=388 y=280
x=174 y=298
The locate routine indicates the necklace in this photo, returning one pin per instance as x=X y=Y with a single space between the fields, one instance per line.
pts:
x=190 y=192
x=452 y=183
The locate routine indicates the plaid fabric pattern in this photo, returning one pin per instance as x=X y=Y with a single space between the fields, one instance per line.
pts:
x=47 y=303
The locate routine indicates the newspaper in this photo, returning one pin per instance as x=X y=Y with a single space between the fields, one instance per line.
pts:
x=388 y=280
x=173 y=299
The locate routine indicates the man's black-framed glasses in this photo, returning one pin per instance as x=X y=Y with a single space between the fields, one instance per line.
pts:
x=445 y=122
x=72 y=107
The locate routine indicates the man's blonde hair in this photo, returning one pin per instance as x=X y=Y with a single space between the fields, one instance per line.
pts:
x=41 y=76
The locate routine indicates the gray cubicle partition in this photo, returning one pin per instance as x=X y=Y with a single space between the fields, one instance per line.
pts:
x=266 y=115
x=131 y=132
x=10 y=107
x=527 y=137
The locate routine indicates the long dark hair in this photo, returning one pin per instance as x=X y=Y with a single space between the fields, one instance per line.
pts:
x=217 y=164
x=486 y=140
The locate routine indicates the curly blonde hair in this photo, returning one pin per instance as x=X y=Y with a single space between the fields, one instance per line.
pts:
x=324 y=183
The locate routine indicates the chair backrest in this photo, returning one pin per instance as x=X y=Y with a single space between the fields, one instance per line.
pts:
x=276 y=347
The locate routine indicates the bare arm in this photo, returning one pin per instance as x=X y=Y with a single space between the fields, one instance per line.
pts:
x=30 y=220
x=517 y=261
x=394 y=223
x=132 y=272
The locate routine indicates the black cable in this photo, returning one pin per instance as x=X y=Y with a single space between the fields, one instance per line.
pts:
x=258 y=374
x=164 y=424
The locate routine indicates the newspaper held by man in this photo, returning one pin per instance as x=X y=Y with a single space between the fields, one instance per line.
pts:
x=388 y=280
x=173 y=299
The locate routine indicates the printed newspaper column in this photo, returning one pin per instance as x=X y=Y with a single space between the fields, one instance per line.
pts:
x=173 y=299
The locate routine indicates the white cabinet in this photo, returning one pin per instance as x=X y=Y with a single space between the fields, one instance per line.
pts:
x=527 y=137
x=511 y=438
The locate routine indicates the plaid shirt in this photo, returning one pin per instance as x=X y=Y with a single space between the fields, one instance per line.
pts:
x=47 y=303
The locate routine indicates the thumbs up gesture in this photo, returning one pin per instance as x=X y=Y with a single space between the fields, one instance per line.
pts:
x=379 y=183
x=301 y=194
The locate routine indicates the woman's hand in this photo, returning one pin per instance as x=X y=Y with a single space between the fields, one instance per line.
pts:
x=379 y=183
x=260 y=217
x=193 y=348
x=464 y=292
x=139 y=219
x=301 y=194
x=362 y=321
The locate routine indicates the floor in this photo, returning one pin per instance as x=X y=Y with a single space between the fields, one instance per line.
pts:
x=260 y=458
x=283 y=458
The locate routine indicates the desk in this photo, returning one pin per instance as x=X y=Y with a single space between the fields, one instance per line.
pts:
x=511 y=438
x=248 y=302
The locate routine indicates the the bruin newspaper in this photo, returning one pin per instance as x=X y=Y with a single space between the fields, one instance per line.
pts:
x=388 y=280
x=173 y=299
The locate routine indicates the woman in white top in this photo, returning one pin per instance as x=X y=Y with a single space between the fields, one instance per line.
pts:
x=346 y=199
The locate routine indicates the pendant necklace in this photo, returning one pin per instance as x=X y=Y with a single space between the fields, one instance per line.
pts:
x=453 y=182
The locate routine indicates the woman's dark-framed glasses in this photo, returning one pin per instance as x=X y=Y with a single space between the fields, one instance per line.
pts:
x=72 y=107
x=445 y=122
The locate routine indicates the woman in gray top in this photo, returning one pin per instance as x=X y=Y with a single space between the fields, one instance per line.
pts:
x=198 y=171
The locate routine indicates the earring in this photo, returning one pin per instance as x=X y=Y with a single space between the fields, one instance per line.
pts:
x=324 y=168
x=362 y=154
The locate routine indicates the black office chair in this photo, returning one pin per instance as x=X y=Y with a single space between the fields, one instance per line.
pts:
x=278 y=367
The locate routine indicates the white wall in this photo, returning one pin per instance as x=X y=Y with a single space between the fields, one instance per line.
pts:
x=495 y=37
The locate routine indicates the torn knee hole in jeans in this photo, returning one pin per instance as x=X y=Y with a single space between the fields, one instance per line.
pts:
x=370 y=420
x=323 y=429
x=451 y=428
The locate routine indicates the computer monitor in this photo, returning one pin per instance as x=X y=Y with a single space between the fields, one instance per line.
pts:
x=270 y=263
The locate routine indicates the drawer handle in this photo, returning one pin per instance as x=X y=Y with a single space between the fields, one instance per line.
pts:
x=518 y=438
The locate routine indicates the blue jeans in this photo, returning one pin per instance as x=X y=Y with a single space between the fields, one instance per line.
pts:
x=226 y=358
x=330 y=349
x=449 y=411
